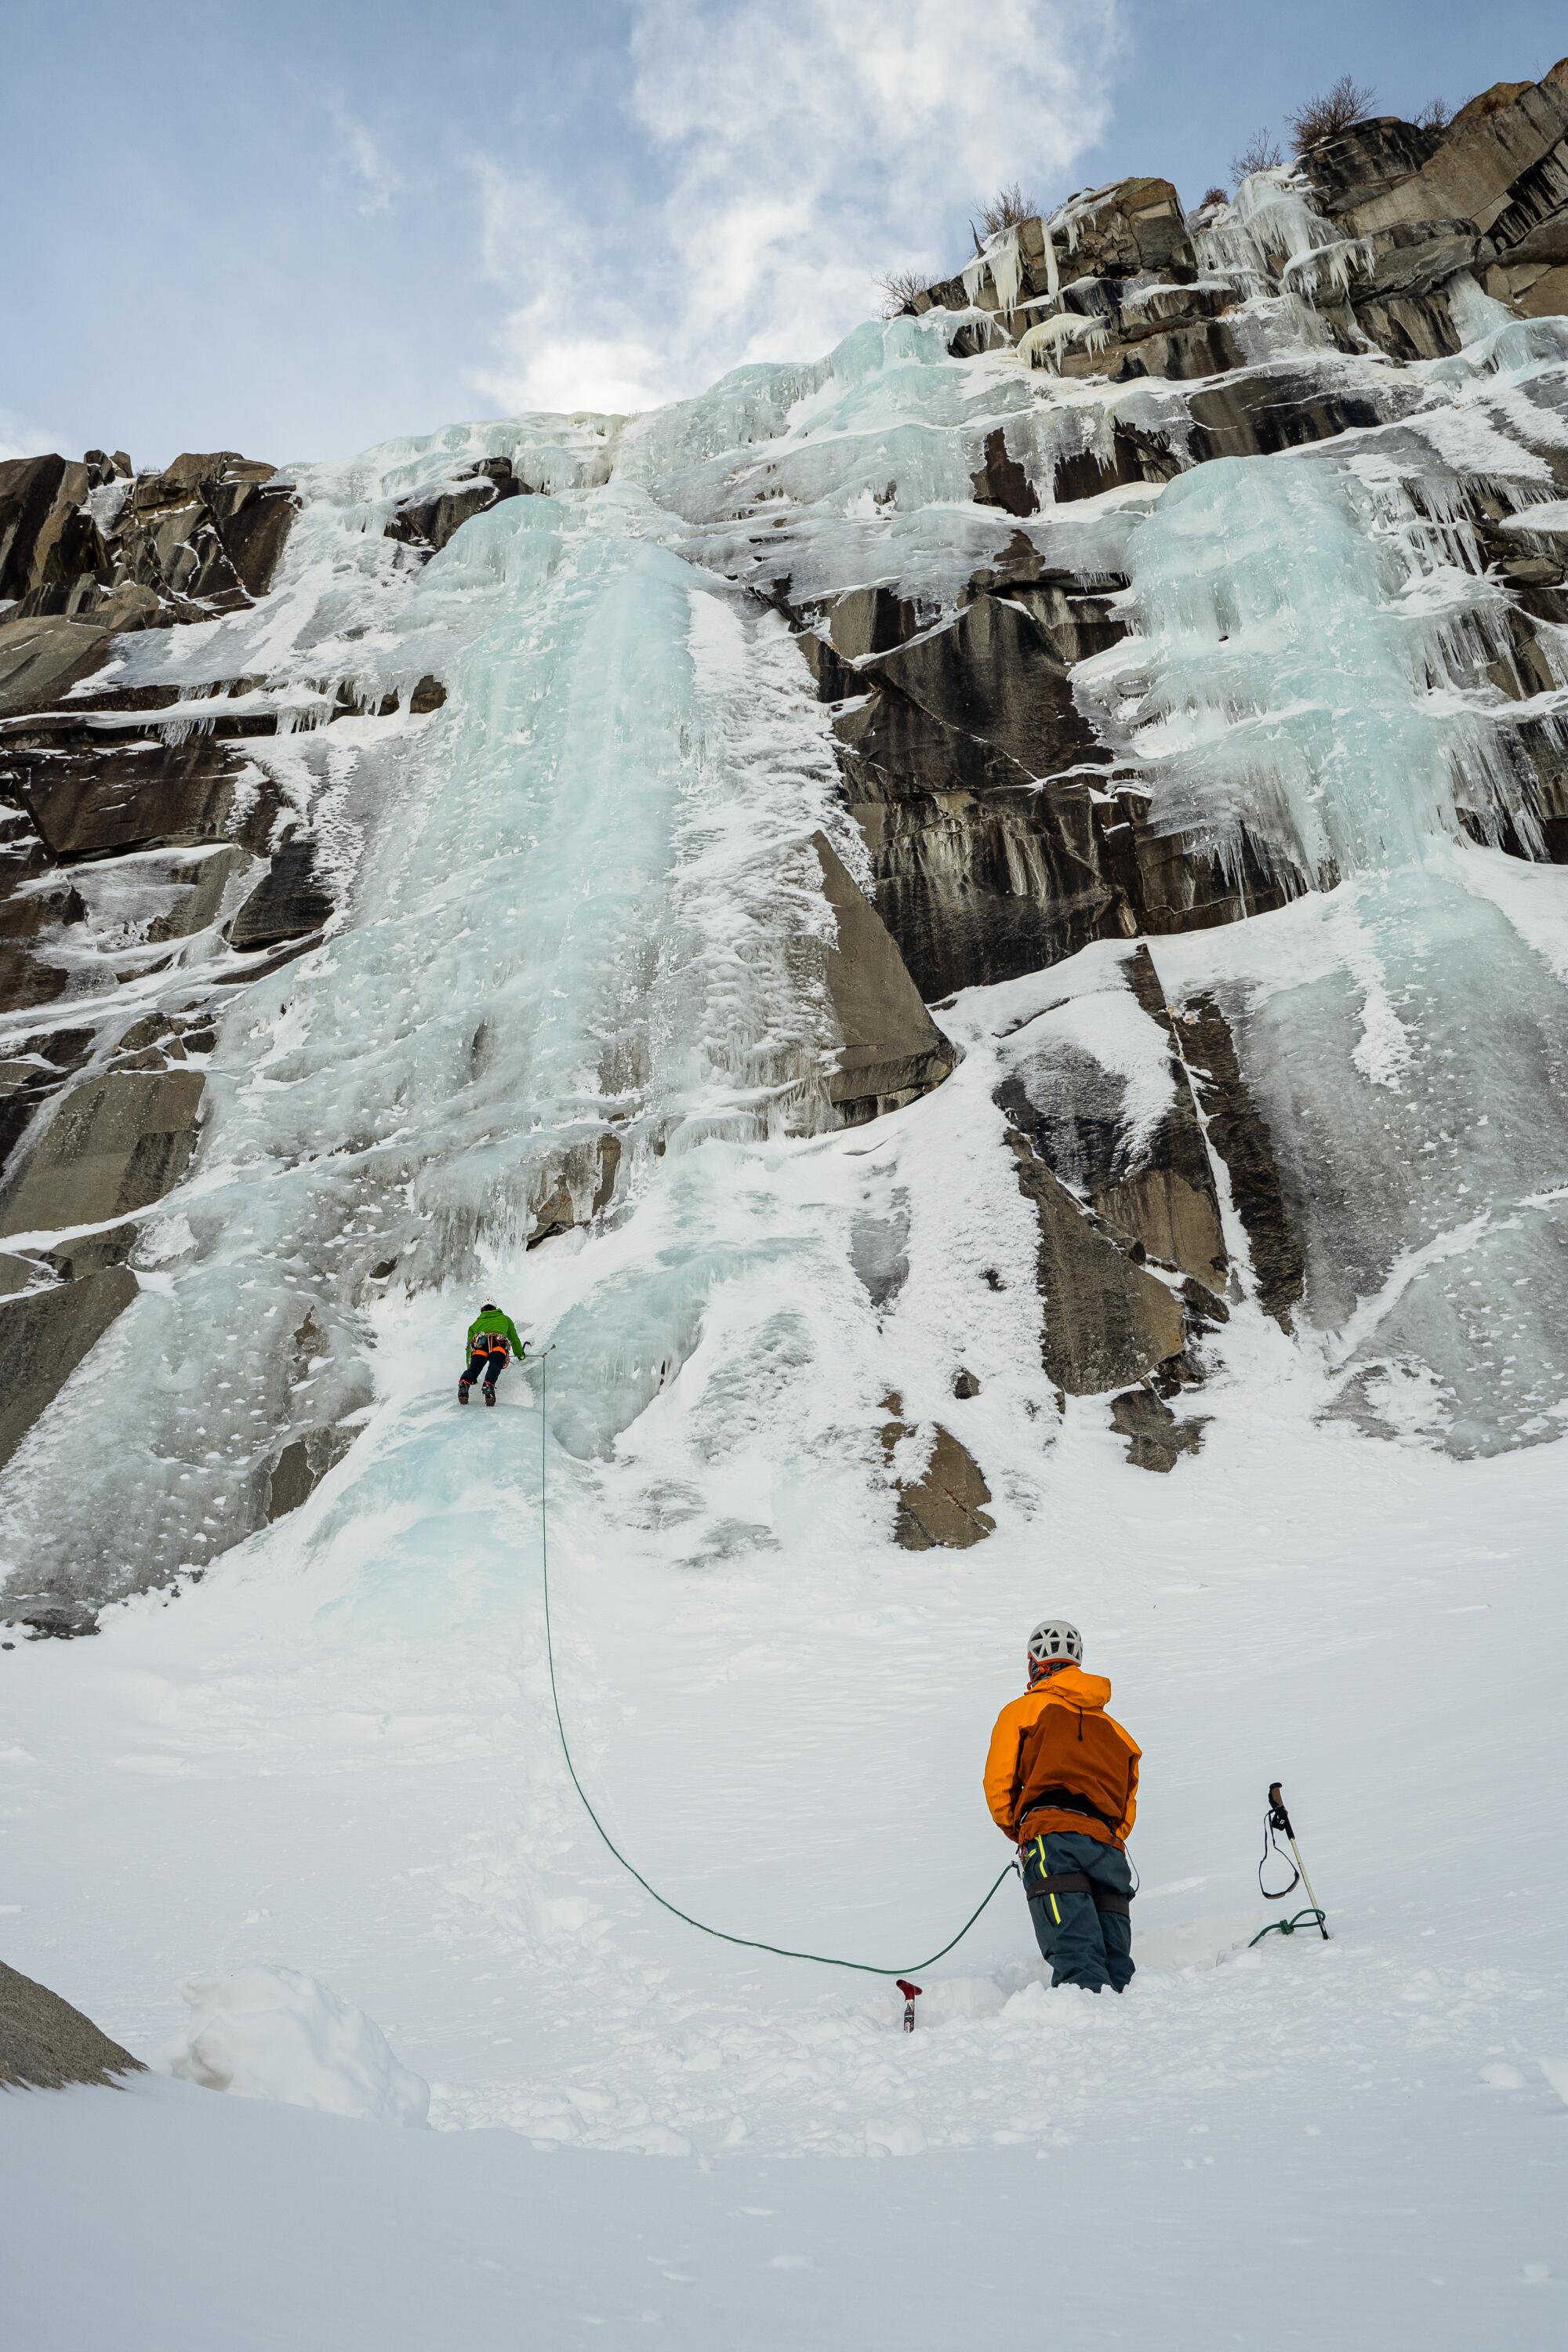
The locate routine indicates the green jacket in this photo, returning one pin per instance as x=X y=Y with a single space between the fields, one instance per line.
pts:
x=502 y=1325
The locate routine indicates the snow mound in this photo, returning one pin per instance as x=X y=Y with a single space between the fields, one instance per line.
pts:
x=278 y=2034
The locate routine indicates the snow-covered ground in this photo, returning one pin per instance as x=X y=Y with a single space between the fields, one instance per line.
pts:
x=339 y=1755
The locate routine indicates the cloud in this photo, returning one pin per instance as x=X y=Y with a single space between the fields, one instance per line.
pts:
x=801 y=151
x=20 y=438
x=573 y=340
x=367 y=158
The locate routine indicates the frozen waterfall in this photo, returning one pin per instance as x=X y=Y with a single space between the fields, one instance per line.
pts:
x=1312 y=673
x=577 y=972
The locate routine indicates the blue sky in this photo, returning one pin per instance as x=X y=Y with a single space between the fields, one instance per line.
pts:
x=296 y=229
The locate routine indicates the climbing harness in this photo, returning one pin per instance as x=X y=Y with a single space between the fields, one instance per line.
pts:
x=1052 y=1883
x=748 y=1943
x=1275 y=1819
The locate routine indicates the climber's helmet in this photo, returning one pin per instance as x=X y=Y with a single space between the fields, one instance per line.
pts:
x=1055 y=1643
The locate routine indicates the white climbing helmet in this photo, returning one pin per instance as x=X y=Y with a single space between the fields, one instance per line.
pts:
x=1054 y=1638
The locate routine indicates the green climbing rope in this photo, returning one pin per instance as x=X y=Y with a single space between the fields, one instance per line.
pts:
x=1309 y=1918
x=749 y=1943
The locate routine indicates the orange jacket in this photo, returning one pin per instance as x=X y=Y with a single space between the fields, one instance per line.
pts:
x=1054 y=1752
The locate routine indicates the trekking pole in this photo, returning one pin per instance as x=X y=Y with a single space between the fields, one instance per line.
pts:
x=912 y=1994
x=1274 y=1821
x=1281 y=1820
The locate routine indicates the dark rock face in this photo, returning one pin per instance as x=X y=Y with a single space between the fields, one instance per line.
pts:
x=893 y=1050
x=1157 y=1195
x=1128 y=227
x=289 y=903
x=1002 y=481
x=44 y=1333
x=1493 y=165
x=113 y=1145
x=41 y=660
x=1357 y=165
x=1132 y=1255
x=1158 y=1439
x=1240 y=1135
x=945 y=1505
x=981 y=871
x=1148 y=330
x=92 y=801
x=301 y=1469
x=429 y=522
x=44 y=2043
x=1491 y=190
x=1260 y=414
x=203 y=537
x=1106 y=1320
x=971 y=771
x=1000 y=673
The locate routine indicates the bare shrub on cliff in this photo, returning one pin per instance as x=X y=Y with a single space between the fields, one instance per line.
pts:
x=899 y=288
x=1435 y=115
x=1335 y=109
x=1006 y=208
x=1214 y=196
x=1261 y=153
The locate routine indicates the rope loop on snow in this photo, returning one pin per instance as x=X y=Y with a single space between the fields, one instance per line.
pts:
x=720 y=1934
x=1311 y=1917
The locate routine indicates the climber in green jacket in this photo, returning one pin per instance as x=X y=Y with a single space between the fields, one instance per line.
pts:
x=493 y=1339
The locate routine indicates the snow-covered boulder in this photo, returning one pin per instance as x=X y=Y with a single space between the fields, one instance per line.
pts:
x=278 y=2034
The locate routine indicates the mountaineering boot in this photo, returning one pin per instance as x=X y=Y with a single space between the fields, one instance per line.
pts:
x=490 y=1393
x=462 y=1392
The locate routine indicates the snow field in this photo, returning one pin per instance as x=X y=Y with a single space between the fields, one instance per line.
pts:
x=582 y=908
x=342 y=1759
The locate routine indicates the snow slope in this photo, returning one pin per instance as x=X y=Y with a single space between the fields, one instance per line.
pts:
x=340 y=1755
x=583 y=908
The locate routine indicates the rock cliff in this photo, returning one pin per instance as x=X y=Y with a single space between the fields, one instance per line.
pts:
x=215 y=680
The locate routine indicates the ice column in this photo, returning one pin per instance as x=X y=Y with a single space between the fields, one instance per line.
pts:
x=1307 y=676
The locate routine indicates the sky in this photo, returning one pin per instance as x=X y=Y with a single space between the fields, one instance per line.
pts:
x=296 y=230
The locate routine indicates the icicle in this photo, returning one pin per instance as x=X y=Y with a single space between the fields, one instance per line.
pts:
x=1065 y=331
x=1000 y=260
x=1053 y=281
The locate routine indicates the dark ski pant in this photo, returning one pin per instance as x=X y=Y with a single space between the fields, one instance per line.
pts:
x=492 y=1362
x=1084 y=1946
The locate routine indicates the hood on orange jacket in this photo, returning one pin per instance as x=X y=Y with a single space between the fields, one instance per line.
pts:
x=1057 y=1761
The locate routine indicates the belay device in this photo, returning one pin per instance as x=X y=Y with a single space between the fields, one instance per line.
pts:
x=1275 y=1819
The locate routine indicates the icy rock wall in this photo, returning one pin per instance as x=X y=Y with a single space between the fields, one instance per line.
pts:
x=579 y=925
x=589 y=933
x=1100 y=651
x=1310 y=675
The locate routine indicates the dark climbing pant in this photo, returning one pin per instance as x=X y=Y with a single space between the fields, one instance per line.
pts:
x=1085 y=1944
x=483 y=1360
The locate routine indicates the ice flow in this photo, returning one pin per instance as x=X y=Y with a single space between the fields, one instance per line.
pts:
x=578 y=966
x=1309 y=678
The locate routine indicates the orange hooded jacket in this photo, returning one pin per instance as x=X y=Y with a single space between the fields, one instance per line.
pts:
x=1058 y=1761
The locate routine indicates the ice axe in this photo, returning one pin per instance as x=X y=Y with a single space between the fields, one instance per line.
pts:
x=912 y=1994
x=1274 y=1821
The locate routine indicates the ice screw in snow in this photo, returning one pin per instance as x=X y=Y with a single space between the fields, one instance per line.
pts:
x=912 y=1994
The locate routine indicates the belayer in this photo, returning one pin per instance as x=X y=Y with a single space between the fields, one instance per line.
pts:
x=493 y=1339
x=1062 y=1780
